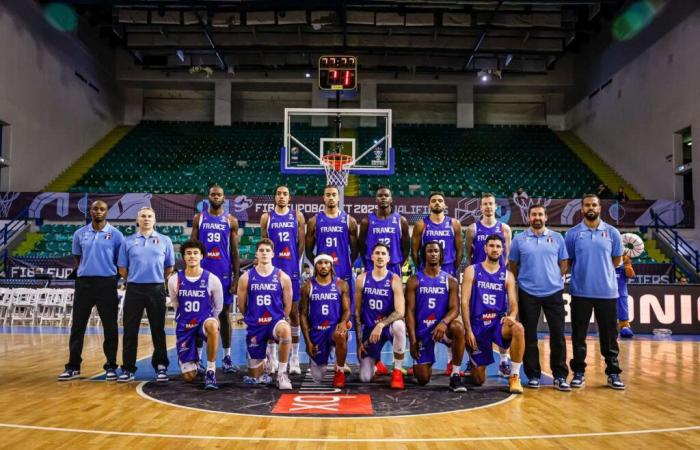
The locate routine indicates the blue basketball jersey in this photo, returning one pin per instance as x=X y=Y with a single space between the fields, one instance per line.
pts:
x=432 y=301
x=479 y=243
x=489 y=300
x=325 y=305
x=444 y=234
x=194 y=303
x=621 y=281
x=265 y=300
x=282 y=230
x=332 y=238
x=388 y=232
x=377 y=299
x=214 y=233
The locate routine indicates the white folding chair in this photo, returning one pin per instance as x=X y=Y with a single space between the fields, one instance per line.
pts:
x=24 y=306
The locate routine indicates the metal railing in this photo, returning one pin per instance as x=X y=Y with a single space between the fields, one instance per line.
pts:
x=679 y=245
x=14 y=226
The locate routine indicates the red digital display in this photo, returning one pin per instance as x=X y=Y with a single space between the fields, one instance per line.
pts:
x=337 y=72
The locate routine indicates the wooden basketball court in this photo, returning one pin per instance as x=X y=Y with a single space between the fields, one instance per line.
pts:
x=658 y=409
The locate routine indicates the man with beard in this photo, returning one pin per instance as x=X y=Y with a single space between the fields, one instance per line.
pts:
x=595 y=249
x=538 y=259
x=489 y=309
x=390 y=228
x=441 y=228
x=285 y=228
x=95 y=249
x=333 y=232
x=476 y=252
x=325 y=311
x=379 y=311
x=432 y=312
x=218 y=231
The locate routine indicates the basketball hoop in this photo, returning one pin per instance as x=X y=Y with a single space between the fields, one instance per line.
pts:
x=337 y=167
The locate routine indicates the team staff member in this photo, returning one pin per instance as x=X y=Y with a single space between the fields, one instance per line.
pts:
x=595 y=249
x=146 y=260
x=538 y=259
x=95 y=249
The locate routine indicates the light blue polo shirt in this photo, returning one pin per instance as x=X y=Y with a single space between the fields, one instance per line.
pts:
x=98 y=250
x=591 y=253
x=538 y=261
x=145 y=258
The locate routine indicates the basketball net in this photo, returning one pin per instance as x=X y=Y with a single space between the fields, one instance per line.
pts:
x=337 y=167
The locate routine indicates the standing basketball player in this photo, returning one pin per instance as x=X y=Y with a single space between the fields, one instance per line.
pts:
x=432 y=311
x=441 y=228
x=218 y=231
x=325 y=311
x=265 y=300
x=489 y=309
x=285 y=228
x=390 y=228
x=333 y=232
x=379 y=310
x=197 y=297
x=476 y=251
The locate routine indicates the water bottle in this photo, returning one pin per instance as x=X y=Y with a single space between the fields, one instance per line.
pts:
x=662 y=332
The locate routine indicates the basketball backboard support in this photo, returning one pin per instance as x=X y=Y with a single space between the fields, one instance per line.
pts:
x=311 y=133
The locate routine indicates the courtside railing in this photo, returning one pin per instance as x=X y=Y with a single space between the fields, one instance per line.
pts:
x=679 y=245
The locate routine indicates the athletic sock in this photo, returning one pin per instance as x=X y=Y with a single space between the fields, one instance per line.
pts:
x=227 y=351
x=515 y=369
x=398 y=364
x=295 y=349
x=504 y=356
x=282 y=368
x=455 y=369
x=211 y=365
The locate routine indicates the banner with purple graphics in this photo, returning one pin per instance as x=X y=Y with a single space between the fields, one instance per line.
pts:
x=64 y=206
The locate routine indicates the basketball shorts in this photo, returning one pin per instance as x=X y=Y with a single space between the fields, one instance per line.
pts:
x=486 y=336
x=186 y=335
x=426 y=348
x=296 y=291
x=324 y=341
x=257 y=336
x=375 y=350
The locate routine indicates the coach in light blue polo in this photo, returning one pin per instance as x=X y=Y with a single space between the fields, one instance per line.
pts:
x=95 y=249
x=146 y=260
x=595 y=249
x=538 y=258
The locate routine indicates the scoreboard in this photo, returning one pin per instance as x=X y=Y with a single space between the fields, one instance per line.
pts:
x=337 y=73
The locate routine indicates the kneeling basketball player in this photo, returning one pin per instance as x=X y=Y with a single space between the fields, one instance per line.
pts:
x=489 y=309
x=432 y=316
x=197 y=297
x=379 y=310
x=265 y=300
x=324 y=313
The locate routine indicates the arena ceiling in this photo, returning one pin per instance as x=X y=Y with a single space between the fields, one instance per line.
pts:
x=442 y=36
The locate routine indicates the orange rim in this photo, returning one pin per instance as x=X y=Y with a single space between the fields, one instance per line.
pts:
x=336 y=160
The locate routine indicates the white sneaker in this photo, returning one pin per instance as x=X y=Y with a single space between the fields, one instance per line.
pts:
x=283 y=382
x=294 y=368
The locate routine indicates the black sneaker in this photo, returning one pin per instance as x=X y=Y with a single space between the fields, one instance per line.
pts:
x=456 y=384
x=615 y=382
x=578 y=381
x=69 y=374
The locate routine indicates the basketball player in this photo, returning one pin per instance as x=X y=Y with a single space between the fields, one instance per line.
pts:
x=265 y=300
x=489 y=309
x=441 y=228
x=476 y=252
x=325 y=311
x=432 y=311
x=333 y=232
x=624 y=272
x=218 y=231
x=285 y=228
x=379 y=310
x=390 y=228
x=197 y=297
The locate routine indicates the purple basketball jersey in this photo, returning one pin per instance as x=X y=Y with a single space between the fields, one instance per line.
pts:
x=332 y=238
x=387 y=232
x=325 y=305
x=193 y=300
x=265 y=300
x=432 y=302
x=444 y=234
x=489 y=300
x=282 y=230
x=479 y=243
x=214 y=232
x=377 y=299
